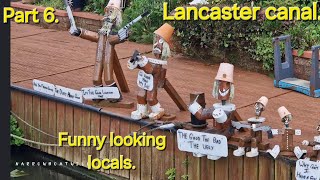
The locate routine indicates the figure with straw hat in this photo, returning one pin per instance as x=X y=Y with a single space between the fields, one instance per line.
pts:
x=150 y=74
x=106 y=40
x=223 y=112
x=256 y=128
x=286 y=148
x=315 y=144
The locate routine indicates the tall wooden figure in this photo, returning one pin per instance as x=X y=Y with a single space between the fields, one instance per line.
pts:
x=315 y=144
x=106 y=57
x=224 y=112
x=256 y=128
x=150 y=75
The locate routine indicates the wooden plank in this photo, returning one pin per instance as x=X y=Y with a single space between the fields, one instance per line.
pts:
x=36 y=119
x=68 y=124
x=158 y=171
x=146 y=162
x=20 y=110
x=282 y=170
x=266 y=168
x=207 y=168
x=28 y=116
x=235 y=166
x=119 y=73
x=125 y=151
x=175 y=96
x=85 y=127
x=44 y=123
x=95 y=131
x=114 y=151
x=168 y=152
x=105 y=131
x=135 y=156
x=194 y=167
x=293 y=172
x=52 y=122
x=221 y=166
x=77 y=131
x=61 y=117
x=180 y=162
x=250 y=168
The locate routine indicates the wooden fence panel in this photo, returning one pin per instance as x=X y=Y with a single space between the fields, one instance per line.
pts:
x=61 y=118
x=20 y=110
x=135 y=156
x=28 y=117
x=77 y=131
x=282 y=170
x=95 y=131
x=105 y=130
x=266 y=168
x=235 y=166
x=115 y=151
x=52 y=127
x=125 y=151
x=36 y=119
x=180 y=162
x=44 y=123
x=207 y=168
x=221 y=168
x=194 y=167
x=69 y=127
x=250 y=166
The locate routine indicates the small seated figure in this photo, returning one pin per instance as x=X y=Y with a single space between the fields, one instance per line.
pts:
x=315 y=144
x=150 y=74
x=256 y=128
x=286 y=148
x=225 y=111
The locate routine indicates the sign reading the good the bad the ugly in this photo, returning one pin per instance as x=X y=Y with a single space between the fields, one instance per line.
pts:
x=306 y=169
x=70 y=94
x=203 y=143
x=43 y=87
x=100 y=93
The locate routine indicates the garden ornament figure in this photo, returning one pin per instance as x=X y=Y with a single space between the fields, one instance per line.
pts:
x=256 y=128
x=315 y=144
x=223 y=113
x=106 y=41
x=287 y=133
x=150 y=74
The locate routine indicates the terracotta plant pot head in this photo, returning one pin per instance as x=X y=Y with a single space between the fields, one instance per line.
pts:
x=165 y=31
x=113 y=13
x=225 y=78
x=284 y=114
x=113 y=4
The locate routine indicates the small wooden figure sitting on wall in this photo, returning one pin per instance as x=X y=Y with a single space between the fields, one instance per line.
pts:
x=224 y=112
x=286 y=148
x=256 y=128
x=315 y=146
x=150 y=74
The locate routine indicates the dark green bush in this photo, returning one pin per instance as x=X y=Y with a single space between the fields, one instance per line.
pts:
x=16 y=130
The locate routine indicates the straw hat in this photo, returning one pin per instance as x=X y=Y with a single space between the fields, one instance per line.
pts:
x=263 y=100
x=225 y=72
x=283 y=112
x=165 y=31
x=114 y=3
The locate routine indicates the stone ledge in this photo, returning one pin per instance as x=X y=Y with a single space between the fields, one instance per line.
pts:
x=307 y=54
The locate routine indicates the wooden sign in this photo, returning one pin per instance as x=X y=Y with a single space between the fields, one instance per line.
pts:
x=43 y=87
x=202 y=143
x=145 y=81
x=306 y=169
x=70 y=94
x=100 y=93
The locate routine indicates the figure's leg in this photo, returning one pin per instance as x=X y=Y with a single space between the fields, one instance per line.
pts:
x=142 y=108
x=254 y=148
x=157 y=111
x=240 y=151
x=98 y=66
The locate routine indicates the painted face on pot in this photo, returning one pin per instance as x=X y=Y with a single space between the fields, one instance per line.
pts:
x=157 y=46
x=258 y=107
x=318 y=128
x=224 y=90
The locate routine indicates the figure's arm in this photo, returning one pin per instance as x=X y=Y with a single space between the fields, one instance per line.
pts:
x=86 y=34
x=199 y=112
x=140 y=62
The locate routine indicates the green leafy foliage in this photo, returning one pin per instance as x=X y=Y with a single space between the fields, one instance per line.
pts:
x=96 y=6
x=57 y=4
x=171 y=173
x=14 y=129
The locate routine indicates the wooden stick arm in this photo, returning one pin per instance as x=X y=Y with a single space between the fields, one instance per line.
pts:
x=89 y=35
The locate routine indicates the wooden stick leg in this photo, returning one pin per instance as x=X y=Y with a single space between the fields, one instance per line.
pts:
x=175 y=96
x=119 y=74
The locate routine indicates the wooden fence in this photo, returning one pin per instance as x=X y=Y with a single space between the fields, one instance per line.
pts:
x=53 y=116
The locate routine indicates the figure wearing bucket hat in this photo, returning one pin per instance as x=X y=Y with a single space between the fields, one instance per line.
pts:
x=286 y=147
x=224 y=112
x=315 y=144
x=106 y=41
x=151 y=74
x=256 y=128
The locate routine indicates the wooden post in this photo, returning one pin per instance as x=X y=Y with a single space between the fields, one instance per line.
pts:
x=119 y=73
x=175 y=96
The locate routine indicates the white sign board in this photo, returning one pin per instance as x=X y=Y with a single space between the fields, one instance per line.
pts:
x=203 y=143
x=70 y=94
x=43 y=87
x=100 y=93
x=145 y=81
x=306 y=169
